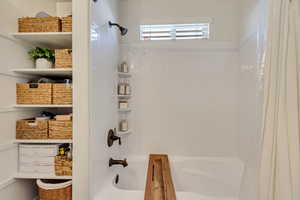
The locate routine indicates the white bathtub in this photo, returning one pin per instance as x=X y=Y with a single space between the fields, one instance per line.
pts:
x=194 y=179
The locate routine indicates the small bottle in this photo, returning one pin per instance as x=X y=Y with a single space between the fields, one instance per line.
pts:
x=121 y=88
x=124 y=67
x=127 y=88
x=123 y=104
x=124 y=125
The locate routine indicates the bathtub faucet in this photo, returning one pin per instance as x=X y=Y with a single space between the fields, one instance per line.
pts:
x=118 y=162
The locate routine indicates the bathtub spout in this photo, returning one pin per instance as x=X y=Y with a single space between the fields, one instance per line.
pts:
x=118 y=162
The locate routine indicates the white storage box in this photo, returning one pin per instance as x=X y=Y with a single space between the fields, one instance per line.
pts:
x=38 y=169
x=38 y=150
x=37 y=160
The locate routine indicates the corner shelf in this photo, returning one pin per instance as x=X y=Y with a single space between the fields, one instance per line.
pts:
x=124 y=75
x=55 y=72
x=124 y=110
x=45 y=141
x=124 y=133
x=41 y=176
x=47 y=39
x=42 y=106
x=124 y=96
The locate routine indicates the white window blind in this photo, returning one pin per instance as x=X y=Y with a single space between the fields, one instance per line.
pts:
x=174 y=31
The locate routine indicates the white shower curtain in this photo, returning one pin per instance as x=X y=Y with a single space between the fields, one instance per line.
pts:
x=280 y=159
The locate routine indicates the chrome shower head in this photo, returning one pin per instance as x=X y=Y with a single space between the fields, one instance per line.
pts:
x=122 y=29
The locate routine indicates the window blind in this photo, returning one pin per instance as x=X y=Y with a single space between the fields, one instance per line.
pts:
x=174 y=31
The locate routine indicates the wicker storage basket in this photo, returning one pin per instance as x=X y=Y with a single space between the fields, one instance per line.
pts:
x=36 y=24
x=63 y=166
x=34 y=93
x=66 y=24
x=55 y=189
x=63 y=58
x=60 y=129
x=32 y=129
x=62 y=93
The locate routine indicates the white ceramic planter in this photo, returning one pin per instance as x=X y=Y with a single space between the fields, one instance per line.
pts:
x=43 y=63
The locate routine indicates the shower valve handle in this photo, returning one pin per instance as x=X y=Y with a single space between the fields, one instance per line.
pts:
x=112 y=137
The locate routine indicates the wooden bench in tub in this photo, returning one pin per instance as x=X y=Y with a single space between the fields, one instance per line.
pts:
x=159 y=185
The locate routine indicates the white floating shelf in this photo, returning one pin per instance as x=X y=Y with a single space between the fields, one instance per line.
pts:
x=124 y=110
x=40 y=176
x=123 y=133
x=42 y=106
x=67 y=72
x=124 y=75
x=124 y=96
x=47 y=39
x=43 y=141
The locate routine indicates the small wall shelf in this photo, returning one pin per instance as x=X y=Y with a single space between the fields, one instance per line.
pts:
x=124 y=133
x=124 y=110
x=67 y=72
x=124 y=75
x=41 y=176
x=43 y=141
x=42 y=106
x=124 y=96
x=50 y=40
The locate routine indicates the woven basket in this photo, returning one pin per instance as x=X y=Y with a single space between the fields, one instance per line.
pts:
x=64 y=193
x=32 y=129
x=36 y=24
x=60 y=129
x=66 y=24
x=63 y=58
x=34 y=93
x=63 y=166
x=62 y=93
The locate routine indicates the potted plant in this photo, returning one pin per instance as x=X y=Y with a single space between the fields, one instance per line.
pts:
x=43 y=57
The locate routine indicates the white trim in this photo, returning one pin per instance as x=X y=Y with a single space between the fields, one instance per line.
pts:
x=7 y=146
x=6 y=183
x=81 y=63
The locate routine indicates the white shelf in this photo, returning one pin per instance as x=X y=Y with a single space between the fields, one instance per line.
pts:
x=40 y=176
x=123 y=133
x=124 y=110
x=124 y=96
x=50 y=39
x=66 y=72
x=49 y=141
x=124 y=75
x=42 y=106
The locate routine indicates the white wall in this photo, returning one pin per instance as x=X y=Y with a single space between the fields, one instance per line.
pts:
x=103 y=82
x=253 y=16
x=13 y=54
x=184 y=92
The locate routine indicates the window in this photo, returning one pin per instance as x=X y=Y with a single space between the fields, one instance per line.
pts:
x=174 y=31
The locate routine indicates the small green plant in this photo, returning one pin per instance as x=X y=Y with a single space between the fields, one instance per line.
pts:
x=39 y=52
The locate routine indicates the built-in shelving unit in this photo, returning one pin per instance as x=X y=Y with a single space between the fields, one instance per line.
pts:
x=67 y=72
x=50 y=40
x=40 y=176
x=55 y=40
x=43 y=141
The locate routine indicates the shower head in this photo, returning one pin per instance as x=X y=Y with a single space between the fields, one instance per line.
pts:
x=122 y=29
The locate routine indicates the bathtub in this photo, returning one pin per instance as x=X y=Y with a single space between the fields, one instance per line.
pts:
x=195 y=178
